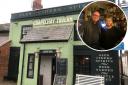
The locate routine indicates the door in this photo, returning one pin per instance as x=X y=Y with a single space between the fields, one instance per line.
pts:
x=46 y=70
x=13 y=65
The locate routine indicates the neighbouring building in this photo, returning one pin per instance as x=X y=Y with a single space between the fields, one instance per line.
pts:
x=4 y=49
x=47 y=50
x=124 y=68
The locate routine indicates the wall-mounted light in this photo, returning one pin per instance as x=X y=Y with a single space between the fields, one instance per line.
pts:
x=58 y=52
x=37 y=52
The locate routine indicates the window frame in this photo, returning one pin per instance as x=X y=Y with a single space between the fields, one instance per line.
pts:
x=85 y=67
x=23 y=27
x=29 y=63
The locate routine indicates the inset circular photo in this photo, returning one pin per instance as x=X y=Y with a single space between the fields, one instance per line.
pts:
x=102 y=25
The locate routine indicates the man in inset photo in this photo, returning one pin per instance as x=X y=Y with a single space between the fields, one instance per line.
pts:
x=92 y=30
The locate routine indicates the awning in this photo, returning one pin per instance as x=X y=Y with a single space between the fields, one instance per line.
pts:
x=49 y=33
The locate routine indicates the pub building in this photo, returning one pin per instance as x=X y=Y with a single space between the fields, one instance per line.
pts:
x=50 y=52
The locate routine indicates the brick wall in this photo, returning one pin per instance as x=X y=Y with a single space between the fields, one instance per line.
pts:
x=4 y=57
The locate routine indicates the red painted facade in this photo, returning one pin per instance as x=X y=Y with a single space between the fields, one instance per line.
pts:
x=4 y=57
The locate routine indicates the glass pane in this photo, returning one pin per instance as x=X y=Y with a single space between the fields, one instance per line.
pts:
x=82 y=65
x=31 y=58
x=31 y=66
x=25 y=30
x=30 y=73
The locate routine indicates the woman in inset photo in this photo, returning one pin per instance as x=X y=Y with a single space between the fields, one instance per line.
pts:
x=112 y=35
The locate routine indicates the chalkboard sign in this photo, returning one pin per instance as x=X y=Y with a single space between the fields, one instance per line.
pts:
x=60 y=80
x=62 y=66
x=106 y=64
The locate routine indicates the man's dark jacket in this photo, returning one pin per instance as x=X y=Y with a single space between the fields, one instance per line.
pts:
x=91 y=34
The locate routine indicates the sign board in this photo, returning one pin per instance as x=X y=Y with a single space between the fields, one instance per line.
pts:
x=60 y=80
x=62 y=66
x=56 y=20
x=88 y=80
x=106 y=64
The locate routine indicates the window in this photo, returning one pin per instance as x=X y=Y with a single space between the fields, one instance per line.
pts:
x=30 y=69
x=25 y=30
x=83 y=65
x=124 y=58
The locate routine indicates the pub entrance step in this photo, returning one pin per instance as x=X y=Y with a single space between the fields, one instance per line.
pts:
x=124 y=80
x=2 y=82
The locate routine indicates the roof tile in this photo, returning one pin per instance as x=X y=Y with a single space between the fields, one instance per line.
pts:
x=50 y=33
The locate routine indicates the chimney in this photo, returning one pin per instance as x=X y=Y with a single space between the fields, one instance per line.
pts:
x=37 y=5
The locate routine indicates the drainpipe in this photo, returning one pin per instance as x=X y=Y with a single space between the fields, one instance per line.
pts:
x=21 y=83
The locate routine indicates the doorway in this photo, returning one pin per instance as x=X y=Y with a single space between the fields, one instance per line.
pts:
x=47 y=70
x=13 y=65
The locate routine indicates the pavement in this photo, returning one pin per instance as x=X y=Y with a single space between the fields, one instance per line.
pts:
x=126 y=80
x=7 y=83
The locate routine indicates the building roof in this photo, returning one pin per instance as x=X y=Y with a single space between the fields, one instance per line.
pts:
x=4 y=27
x=49 y=33
x=3 y=40
x=49 y=12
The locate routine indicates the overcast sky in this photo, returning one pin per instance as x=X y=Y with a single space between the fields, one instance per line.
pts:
x=12 y=6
